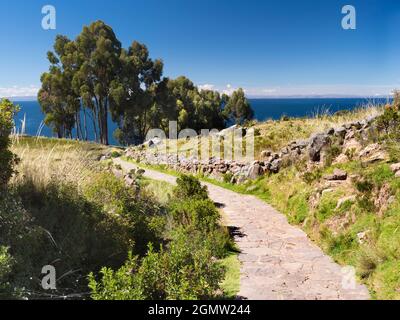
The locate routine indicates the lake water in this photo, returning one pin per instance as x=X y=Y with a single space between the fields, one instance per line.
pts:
x=264 y=109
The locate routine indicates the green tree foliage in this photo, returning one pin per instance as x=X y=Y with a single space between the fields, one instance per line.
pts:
x=57 y=98
x=98 y=51
x=94 y=75
x=136 y=94
x=7 y=158
x=238 y=108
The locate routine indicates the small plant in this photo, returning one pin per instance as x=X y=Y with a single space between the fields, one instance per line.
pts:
x=115 y=154
x=331 y=154
x=310 y=176
x=6 y=264
x=368 y=260
x=364 y=186
x=228 y=177
x=350 y=153
x=285 y=118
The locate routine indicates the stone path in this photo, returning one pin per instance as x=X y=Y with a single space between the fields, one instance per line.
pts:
x=278 y=260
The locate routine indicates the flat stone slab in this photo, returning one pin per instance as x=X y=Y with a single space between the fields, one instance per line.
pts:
x=278 y=260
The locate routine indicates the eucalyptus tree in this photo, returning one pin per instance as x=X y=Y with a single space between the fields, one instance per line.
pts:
x=135 y=103
x=238 y=108
x=98 y=66
x=58 y=100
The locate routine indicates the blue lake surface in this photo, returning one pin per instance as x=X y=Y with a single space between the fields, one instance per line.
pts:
x=264 y=109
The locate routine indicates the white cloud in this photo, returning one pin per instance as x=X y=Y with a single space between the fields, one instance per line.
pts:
x=206 y=86
x=228 y=90
x=291 y=90
x=18 y=91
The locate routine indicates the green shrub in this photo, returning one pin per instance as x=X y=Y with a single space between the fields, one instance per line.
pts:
x=190 y=187
x=186 y=270
x=369 y=258
x=7 y=158
x=6 y=264
x=201 y=214
x=115 y=154
x=389 y=122
x=364 y=186
x=228 y=177
x=141 y=216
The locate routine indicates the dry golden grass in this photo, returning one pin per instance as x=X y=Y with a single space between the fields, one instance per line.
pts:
x=43 y=160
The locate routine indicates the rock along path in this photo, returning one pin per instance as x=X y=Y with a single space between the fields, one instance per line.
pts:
x=278 y=260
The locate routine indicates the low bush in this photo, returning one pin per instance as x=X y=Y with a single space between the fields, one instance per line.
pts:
x=6 y=264
x=190 y=187
x=199 y=213
x=7 y=158
x=186 y=270
x=186 y=267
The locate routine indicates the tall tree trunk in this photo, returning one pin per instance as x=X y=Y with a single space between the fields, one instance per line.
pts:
x=85 y=124
x=105 y=121
x=94 y=116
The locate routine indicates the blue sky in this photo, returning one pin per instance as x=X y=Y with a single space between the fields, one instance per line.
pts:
x=270 y=48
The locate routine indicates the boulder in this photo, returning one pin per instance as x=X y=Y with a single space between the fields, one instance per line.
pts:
x=342 y=158
x=275 y=165
x=330 y=131
x=373 y=153
x=152 y=143
x=382 y=199
x=129 y=181
x=362 y=237
x=338 y=175
x=395 y=167
x=352 y=144
x=318 y=142
x=254 y=171
x=340 y=132
x=265 y=154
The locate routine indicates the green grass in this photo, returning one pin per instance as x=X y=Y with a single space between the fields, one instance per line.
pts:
x=231 y=284
x=162 y=191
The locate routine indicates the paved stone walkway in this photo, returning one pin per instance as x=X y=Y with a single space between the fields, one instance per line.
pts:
x=278 y=260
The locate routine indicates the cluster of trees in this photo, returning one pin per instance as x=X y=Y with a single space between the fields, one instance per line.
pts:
x=93 y=77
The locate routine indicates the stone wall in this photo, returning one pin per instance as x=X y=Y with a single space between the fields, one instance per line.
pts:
x=314 y=150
